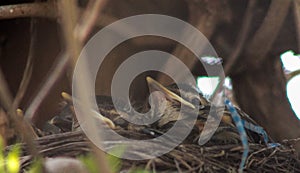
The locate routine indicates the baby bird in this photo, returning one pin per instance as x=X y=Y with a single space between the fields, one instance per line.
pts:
x=169 y=105
x=190 y=100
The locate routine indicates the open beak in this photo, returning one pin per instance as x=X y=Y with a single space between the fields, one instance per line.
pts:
x=155 y=86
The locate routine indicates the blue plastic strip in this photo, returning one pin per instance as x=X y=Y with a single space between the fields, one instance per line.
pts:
x=256 y=129
x=259 y=130
x=240 y=127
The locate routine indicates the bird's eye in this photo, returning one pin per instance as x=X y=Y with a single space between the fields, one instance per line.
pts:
x=195 y=101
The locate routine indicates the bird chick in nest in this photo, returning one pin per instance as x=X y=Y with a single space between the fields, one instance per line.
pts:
x=169 y=105
x=184 y=101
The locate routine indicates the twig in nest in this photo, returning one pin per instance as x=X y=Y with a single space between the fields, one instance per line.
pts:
x=265 y=159
x=255 y=153
x=183 y=163
x=291 y=141
x=177 y=166
x=151 y=164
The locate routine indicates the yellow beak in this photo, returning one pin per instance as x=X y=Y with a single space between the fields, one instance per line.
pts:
x=154 y=85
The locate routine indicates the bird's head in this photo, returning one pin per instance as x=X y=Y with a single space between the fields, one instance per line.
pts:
x=170 y=99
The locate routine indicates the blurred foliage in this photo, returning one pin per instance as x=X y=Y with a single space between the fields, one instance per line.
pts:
x=36 y=167
x=90 y=163
x=114 y=161
x=113 y=158
x=2 y=160
x=10 y=163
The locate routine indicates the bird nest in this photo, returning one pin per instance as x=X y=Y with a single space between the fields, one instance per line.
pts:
x=184 y=158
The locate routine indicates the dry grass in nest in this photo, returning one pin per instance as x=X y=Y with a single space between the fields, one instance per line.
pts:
x=184 y=158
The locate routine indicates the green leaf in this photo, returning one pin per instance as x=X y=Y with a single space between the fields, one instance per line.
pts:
x=2 y=161
x=113 y=158
x=13 y=162
x=115 y=163
x=36 y=167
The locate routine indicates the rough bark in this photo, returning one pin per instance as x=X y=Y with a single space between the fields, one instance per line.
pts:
x=259 y=81
x=261 y=92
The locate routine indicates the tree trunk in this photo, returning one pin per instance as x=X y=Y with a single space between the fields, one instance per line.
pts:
x=261 y=92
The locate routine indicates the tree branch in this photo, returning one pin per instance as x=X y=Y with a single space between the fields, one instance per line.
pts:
x=89 y=19
x=205 y=18
x=241 y=38
x=297 y=20
x=265 y=36
x=38 y=9
x=239 y=45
